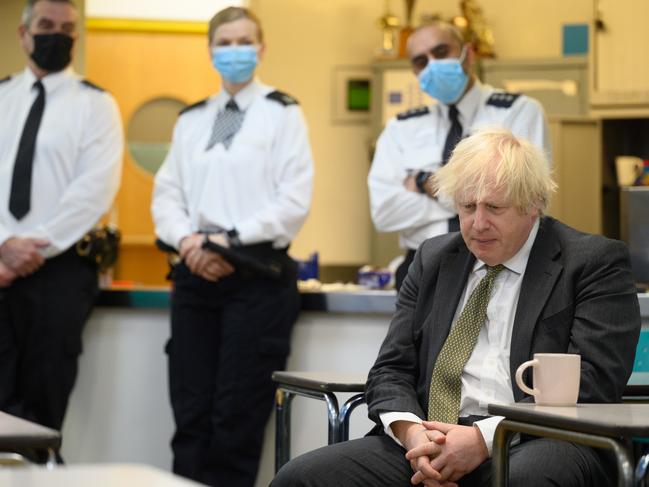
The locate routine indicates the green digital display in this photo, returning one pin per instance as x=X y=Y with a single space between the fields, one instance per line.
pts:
x=358 y=95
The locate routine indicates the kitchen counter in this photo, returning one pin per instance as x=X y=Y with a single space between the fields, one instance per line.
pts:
x=337 y=301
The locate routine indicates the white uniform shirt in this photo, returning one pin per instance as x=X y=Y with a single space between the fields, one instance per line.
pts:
x=416 y=142
x=485 y=377
x=77 y=161
x=261 y=186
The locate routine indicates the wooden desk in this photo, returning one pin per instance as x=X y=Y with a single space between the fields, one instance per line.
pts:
x=17 y=434
x=118 y=475
x=612 y=426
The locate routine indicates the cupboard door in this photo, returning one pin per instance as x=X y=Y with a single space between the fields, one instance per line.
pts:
x=619 y=70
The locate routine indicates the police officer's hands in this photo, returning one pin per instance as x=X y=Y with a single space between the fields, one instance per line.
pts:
x=209 y=265
x=192 y=253
x=216 y=267
x=23 y=255
x=7 y=275
x=410 y=183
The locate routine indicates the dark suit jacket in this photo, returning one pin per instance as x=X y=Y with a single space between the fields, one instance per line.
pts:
x=577 y=296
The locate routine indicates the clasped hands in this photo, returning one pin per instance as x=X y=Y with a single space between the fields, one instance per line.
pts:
x=20 y=257
x=440 y=454
x=209 y=265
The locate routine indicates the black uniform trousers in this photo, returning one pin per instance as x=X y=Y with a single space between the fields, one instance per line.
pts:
x=380 y=462
x=41 y=321
x=226 y=340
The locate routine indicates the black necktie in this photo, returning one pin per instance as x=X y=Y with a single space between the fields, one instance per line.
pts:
x=21 y=182
x=454 y=133
x=452 y=138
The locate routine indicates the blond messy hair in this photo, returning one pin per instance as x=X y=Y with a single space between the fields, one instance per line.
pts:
x=494 y=159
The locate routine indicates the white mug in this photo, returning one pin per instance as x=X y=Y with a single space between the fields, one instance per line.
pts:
x=556 y=378
x=627 y=169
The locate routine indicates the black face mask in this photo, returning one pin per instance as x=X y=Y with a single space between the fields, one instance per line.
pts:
x=52 y=52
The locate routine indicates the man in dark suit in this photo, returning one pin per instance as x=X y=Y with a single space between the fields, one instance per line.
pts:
x=475 y=305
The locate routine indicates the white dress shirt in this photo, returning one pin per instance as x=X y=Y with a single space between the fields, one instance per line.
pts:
x=261 y=186
x=416 y=143
x=485 y=377
x=77 y=162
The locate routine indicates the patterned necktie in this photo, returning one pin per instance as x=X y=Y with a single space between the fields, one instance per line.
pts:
x=452 y=138
x=21 y=182
x=446 y=384
x=226 y=125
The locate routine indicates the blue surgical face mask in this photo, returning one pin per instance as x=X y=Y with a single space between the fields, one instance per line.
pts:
x=444 y=79
x=236 y=64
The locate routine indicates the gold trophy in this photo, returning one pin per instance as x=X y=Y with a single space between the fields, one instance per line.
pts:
x=406 y=30
x=389 y=25
x=477 y=31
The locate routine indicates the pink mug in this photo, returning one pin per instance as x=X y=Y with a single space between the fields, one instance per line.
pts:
x=556 y=378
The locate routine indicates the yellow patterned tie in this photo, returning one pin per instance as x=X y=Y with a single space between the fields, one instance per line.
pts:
x=446 y=384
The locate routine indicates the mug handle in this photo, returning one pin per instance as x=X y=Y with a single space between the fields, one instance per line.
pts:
x=519 y=377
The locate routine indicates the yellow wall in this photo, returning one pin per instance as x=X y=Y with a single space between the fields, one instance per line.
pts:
x=306 y=40
x=522 y=28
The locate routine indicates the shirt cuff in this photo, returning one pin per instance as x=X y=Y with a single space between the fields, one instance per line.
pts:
x=388 y=418
x=488 y=429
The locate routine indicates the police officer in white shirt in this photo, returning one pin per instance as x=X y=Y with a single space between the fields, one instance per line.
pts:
x=239 y=174
x=61 y=146
x=416 y=143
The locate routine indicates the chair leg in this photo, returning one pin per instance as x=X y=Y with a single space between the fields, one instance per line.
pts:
x=345 y=413
x=641 y=470
x=283 y=401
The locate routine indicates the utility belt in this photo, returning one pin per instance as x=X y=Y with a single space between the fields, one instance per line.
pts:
x=100 y=246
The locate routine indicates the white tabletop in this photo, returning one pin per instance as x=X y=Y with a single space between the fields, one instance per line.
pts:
x=606 y=419
x=107 y=475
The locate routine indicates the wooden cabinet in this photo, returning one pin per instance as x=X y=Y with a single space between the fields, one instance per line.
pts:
x=619 y=71
x=578 y=172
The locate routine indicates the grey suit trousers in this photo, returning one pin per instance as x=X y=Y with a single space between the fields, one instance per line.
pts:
x=378 y=461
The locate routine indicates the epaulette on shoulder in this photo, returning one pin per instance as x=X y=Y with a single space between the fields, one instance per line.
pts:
x=282 y=98
x=502 y=99
x=192 y=106
x=412 y=113
x=5 y=79
x=90 y=84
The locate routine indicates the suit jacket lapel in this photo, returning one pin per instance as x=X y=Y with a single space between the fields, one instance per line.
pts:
x=541 y=274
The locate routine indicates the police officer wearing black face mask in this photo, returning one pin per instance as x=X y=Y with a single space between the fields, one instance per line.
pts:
x=61 y=146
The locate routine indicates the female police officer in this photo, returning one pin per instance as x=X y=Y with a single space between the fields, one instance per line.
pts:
x=239 y=174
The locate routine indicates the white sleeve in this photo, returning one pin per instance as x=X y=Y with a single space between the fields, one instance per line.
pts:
x=488 y=429
x=530 y=122
x=388 y=418
x=98 y=171
x=292 y=164
x=393 y=207
x=168 y=204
